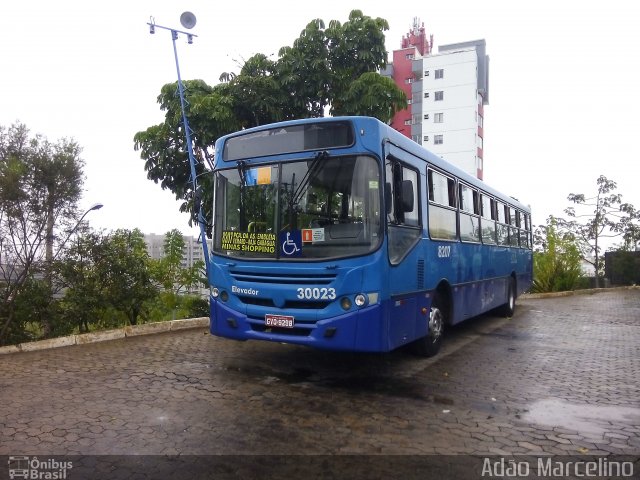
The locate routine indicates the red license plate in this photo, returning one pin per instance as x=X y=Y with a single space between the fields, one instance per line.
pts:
x=281 y=321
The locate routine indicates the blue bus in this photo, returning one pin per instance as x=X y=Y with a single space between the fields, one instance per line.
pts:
x=343 y=234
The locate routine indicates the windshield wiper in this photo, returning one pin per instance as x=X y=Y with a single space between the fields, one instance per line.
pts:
x=296 y=194
x=242 y=172
x=311 y=173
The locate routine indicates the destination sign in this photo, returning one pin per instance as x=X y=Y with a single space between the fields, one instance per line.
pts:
x=252 y=242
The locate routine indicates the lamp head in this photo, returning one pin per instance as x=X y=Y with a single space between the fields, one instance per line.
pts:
x=188 y=20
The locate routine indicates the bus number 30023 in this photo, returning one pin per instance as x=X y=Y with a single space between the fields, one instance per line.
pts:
x=317 y=293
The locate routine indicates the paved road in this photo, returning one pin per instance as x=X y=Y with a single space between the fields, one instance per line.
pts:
x=561 y=377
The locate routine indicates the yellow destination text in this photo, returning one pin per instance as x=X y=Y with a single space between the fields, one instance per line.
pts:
x=248 y=242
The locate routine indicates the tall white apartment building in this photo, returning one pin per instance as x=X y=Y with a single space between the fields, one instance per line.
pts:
x=449 y=90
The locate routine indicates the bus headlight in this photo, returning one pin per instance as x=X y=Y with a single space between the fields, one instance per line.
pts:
x=360 y=300
x=215 y=293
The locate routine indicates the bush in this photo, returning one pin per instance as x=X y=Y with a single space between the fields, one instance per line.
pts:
x=557 y=267
x=170 y=306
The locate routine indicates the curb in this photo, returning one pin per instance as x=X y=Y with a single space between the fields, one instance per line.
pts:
x=106 y=335
x=586 y=291
x=183 y=324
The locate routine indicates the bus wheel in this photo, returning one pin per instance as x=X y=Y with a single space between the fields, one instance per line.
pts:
x=430 y=345
x=508 y=308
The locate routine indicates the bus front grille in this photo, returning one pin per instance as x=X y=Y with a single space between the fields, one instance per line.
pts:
x=299 y=304
x=285 y=278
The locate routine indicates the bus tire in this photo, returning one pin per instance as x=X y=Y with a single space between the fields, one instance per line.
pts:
x=509 y=308
x=429 y=345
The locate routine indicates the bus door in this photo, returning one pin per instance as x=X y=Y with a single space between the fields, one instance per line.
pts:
x=406 y=260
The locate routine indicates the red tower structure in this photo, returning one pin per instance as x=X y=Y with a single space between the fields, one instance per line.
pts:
x=413 y=44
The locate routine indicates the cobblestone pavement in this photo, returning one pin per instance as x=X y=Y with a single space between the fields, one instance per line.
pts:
x=561 y=377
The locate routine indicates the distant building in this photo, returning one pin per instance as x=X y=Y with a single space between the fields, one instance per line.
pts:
x=191 y=252
x=447 y=93
x=155 y=245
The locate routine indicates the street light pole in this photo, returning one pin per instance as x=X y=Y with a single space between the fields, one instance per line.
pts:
x=188 y=21
x=96 y=206
x=50 y=258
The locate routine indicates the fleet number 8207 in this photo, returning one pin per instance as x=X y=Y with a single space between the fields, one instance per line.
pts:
x=444 y=251
x=317 y=293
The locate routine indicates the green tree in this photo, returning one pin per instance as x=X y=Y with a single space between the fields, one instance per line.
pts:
x=40 y=186
x=356 y=53
x=169 y=272
x=630 y=226
x=370 y=95
x=85 y=297
x=174 y=278
x=32 y=303
x=303 y=70
x=105 y=272
x=255 y=95
x=123 y=266
x=600 y=216
x=330 y=69
x=556 y=259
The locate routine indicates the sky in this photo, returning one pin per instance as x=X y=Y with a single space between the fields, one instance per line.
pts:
x=564 y=96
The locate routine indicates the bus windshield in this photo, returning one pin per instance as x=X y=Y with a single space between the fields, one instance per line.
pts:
x=326 y=207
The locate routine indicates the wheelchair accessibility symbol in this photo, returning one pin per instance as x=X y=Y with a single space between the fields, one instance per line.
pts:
x=291 y=243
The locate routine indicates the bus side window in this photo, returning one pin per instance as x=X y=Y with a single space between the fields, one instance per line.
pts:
x=409 y=197
x=451 y=185
x=389 y=192
x=524 y=230
x=403 y=209
x=488 y=219
x=514 y=237
x=502 y=227
x=401 y=195
x=469 y=218
x=442 y=202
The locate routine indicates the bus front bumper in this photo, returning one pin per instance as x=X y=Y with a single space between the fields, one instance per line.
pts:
x=356 y=330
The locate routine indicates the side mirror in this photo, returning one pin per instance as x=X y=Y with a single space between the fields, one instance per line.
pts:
x=407 y=196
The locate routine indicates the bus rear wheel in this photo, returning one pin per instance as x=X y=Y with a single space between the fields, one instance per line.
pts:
x=429 y=345
x=510 y=307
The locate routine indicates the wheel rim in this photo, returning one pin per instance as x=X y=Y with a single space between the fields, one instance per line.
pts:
x=512 y=297
x=435 y=324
